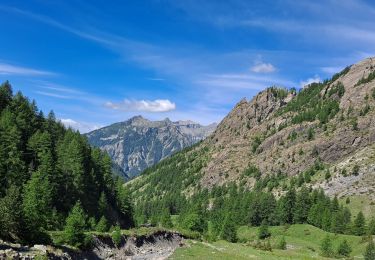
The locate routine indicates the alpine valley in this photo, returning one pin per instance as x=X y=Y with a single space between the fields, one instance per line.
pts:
x=289 y=174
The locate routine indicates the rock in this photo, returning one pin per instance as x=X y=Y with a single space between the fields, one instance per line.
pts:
x=41 y=248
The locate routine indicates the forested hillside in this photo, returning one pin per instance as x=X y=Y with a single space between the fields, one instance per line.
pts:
x=284 y=157
x=51 y=179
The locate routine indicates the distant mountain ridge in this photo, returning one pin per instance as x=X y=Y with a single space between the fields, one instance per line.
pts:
x=139 y=143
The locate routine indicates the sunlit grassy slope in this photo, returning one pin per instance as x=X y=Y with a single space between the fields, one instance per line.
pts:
x=303 y=242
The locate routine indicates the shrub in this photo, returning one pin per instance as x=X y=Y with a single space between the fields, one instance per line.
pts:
x=263 y=231
x=326 y=247
x=370 y=251
x=344 y=249
x=116 y=236
x=282 y=244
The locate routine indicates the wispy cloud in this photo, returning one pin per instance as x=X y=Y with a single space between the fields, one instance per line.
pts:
x=156 y=79
x=153 y=106
x=51 y=94
x=263 y=68
x=308 y=81
x=8 y=69
x=83 y=127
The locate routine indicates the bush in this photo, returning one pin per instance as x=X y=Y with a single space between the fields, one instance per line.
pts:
x=282 y=244
x=344 y=249
x=116 y=236
x=229 y=231
x=326 y=247
x=263 y=232
x=370 y=251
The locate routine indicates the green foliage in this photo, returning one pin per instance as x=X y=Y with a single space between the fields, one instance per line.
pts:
x=75 y=226
x=102 y=225
x=367 y=79
x=193 y=221
x=310 y=134
x=279 y=93
x=282 y=244
x=165 y=219
x=370 y=251
x=371 y=226
x=326 y=247
x=255 y=144
x=359 y=227
x=11 y=214
x=229 y=232
x=344 y=249
x=308 y=105
x=355 y=170
x=37 y=200
x=354 y=123
x=116 y=236
x=263 y=232
x=338 y=89
x=52 y=167
x=252 y=171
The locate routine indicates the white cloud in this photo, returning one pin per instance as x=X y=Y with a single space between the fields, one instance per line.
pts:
x=263 y=68
x=158 y=105
x=83 y=127
x=8 y=69
x=308 y=81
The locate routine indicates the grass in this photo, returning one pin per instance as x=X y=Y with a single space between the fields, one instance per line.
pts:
x=360 y=203
x=303 y=242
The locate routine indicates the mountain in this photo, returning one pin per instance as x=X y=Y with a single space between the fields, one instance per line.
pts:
x=139 y=143
x=321 y=137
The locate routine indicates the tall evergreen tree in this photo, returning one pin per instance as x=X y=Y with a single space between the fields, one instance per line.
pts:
x=302 y=206
x=75 y=226
x=37 y=208
x=359 y=225
x=11 y=215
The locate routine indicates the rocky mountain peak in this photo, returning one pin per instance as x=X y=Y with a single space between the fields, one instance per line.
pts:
x=139 y=143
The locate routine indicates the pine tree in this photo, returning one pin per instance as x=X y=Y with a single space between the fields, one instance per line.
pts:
x=286 y=206
x=102 y=225
x=6 y=94
x=371 y=226
x=102 y=205
x=326 y=247
x=344 y=249
x=11 y=215
x=302 y=206
x=37 y=205
x=370 y=251
x=75 y=226
x=165 y=219
x=229 y=232
x=359 y=227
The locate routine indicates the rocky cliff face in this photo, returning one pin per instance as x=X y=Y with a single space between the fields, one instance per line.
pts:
x=139 y=143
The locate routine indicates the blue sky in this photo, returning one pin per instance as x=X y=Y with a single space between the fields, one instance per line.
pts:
x=100 y=62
